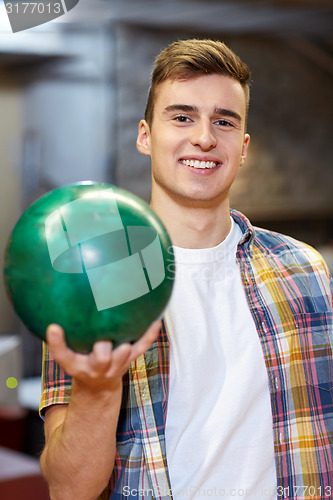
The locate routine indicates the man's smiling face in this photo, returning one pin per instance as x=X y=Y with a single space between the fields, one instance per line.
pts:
x=197 y=140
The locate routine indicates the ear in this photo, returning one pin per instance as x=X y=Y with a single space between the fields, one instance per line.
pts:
x=246 y=143
x=143 y=139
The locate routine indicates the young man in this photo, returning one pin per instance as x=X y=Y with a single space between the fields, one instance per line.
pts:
x=234 y=395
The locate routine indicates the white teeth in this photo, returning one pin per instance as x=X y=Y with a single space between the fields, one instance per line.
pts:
x=199 y=164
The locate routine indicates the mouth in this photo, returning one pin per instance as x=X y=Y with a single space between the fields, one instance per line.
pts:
x=200 y=164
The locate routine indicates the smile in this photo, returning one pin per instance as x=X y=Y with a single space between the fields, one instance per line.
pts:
x=199 y=164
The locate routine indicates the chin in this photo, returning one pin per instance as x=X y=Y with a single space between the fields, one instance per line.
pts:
x=200 y=200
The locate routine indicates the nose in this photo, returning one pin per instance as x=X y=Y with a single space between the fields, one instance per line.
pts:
x=203 y=136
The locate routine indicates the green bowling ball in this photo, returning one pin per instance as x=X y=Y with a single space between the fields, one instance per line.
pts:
x=93 y=258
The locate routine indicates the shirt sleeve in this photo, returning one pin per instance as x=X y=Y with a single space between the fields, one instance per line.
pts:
x=56 y=384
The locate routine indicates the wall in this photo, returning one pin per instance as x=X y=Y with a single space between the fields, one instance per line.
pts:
x=55 y=129
x=10 y=182
x=287 y=178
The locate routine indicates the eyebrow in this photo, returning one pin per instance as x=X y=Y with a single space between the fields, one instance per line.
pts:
x=194 y=109
x=228 y=112
x=181 y=107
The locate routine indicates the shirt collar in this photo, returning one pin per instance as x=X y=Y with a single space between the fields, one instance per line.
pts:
x=246 y=228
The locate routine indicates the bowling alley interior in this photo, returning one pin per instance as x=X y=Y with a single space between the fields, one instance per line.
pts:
x=72 y=92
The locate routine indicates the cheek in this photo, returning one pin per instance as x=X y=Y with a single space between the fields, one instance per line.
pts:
x=163 y=145
x=236 y=149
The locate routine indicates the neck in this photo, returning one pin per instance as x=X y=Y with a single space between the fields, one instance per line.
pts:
x=196 y=225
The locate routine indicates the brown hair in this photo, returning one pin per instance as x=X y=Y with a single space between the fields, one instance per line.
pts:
x=187 y=59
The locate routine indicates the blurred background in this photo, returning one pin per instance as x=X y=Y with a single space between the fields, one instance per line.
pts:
x=73 y=90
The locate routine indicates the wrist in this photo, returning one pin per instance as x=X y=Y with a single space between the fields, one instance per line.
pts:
x=101 y=393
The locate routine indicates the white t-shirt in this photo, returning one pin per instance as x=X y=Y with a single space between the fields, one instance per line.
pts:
x=219 y=438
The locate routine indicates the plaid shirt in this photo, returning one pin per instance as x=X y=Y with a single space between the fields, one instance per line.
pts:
x=288 y=293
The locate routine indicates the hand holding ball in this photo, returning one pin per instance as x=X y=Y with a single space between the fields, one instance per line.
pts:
x=93 y=258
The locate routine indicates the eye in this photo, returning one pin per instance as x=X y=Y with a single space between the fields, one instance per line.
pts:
x=181 y=119
x=224 y=123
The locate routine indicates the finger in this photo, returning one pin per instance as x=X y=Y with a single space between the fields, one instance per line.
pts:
x=146 y=340
x=62 y=354
x=101 y=355
x=55 y=337
x=121 y=358
x=125 y=353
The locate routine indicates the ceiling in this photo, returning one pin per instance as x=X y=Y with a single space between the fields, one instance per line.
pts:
x=307 y=25
x=311 y=17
